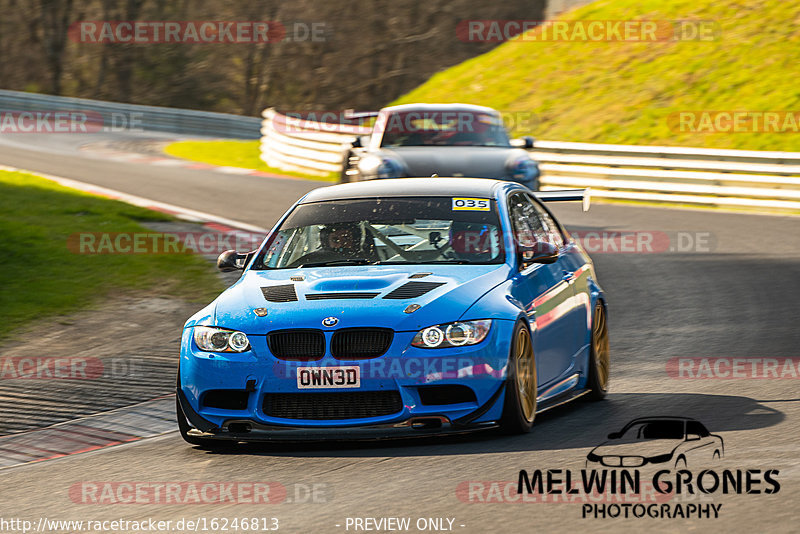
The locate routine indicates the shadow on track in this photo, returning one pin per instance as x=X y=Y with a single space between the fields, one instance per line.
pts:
x=574 y=426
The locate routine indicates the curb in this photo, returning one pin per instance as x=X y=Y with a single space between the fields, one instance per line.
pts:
x=106 y=429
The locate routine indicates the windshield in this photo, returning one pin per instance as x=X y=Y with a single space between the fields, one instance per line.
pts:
x=655 y=430
x=443 y=128
x=407 y=230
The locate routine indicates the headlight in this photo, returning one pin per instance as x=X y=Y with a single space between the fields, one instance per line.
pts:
x=524 y=169
x=592 y=457
x=213 y=339
x=372 y=166
x=368 y=166
x=455 y=334
x=660 y=459
x=389 y=168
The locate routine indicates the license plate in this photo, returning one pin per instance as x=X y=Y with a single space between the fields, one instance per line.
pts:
x=328 y=377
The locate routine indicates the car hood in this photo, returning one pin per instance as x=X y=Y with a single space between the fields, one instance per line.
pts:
x=646 y=448
x=469 y=161
x=461 y=286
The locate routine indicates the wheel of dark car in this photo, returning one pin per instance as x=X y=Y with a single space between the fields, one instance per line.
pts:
x=680 y=463
x=348 y=164
x=519 y=407
x=599 y=357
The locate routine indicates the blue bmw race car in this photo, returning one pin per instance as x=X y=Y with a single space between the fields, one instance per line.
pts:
x=397 y=307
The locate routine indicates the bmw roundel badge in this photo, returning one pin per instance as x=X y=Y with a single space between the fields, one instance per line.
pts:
x=330 y=321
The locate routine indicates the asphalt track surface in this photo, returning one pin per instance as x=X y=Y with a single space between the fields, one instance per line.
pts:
x=735 y=298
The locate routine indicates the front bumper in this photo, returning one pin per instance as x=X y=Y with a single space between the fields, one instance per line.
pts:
x=403 y=368
x=414 y=427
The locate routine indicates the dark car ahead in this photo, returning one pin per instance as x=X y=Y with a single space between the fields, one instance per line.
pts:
x=459 y=140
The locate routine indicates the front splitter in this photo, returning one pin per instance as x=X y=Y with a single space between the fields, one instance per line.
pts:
x=402 y=430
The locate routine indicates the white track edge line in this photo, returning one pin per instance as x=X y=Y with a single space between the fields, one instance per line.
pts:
x=141 y=201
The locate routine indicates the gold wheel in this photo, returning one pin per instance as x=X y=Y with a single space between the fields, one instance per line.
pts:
x=602 y=358
x=525 y=375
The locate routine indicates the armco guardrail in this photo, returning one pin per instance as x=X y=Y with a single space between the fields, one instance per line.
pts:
x=311 y=147
x=727 y=178
x=153 y=118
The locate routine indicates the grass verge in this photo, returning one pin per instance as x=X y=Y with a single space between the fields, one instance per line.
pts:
x=42 y=277
x=242 y=154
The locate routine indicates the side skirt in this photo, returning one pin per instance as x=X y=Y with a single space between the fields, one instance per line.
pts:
x=560 y=400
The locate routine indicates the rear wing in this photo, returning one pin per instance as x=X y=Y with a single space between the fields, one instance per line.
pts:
x=562 y=195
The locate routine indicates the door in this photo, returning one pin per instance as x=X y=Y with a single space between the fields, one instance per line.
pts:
x=576 y=272
x=546 y=292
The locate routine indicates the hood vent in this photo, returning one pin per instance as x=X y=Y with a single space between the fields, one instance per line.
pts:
x=340 y=295
x=411 y=290
x=284 y=293
x=420 y=275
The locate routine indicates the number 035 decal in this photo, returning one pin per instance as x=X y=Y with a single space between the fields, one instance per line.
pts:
x=471 y=204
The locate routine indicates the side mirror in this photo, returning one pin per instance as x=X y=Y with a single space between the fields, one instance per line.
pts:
x=230 y=260
x=541 y=252
x=362 y=141
x=614 y=435
x=692 y=437
x=523 y=142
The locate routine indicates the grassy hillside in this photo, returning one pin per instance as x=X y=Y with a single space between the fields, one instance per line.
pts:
x=43 y=276
x=624 y=92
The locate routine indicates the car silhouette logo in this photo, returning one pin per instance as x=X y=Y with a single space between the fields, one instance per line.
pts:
x=330 y=321
x=670 y=441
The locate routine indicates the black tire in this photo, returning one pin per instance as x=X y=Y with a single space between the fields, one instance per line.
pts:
x=599 y=357
x=344 y=178
x=519 y=405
